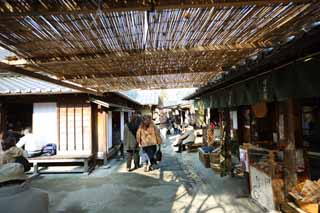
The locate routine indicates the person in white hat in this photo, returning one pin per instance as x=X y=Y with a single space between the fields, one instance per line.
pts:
x=16 y=194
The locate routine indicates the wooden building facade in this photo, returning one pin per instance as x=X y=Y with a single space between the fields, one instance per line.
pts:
x=79 y=124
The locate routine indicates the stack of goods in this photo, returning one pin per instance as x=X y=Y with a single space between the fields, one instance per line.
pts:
x=307 y=195
x=208 y=155
x=237 y=170
x=204 y=157
x=268 y=161
x=215 y=160
x=278 y=190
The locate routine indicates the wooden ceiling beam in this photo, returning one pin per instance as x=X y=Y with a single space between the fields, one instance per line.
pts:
x=38 y=9
x=153 y=86
x=134 y=83
x=10 y=68
x=203 y=70
x=100 y=56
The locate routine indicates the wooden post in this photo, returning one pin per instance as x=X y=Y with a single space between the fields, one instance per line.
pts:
x=290 y=174
x=35 y=168
x=240 y=134
x=102 y=134
x=86 y=166
x=226 y=115
x=105 y=158
x=2 y=118
x=122 y=123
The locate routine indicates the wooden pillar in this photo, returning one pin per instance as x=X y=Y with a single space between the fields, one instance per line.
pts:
x=2 y=118
x=109 y=126
x=102 y=134
x=228 y=139
x=240 y=134
x=122 y=125
x=290 y=174
x=226 y=144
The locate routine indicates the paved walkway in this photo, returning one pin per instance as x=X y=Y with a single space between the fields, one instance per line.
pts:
x=182 y=184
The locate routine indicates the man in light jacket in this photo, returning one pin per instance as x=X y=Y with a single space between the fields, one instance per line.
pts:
x=187 y=138
x=164 y=123
x=16 y=194
x=31 y=145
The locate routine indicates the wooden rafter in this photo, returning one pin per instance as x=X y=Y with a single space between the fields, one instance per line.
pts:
x=148 y=82
x=119 y=87
x=113 y=75
x=100 y=56
x=18 y=8
x=168 y=62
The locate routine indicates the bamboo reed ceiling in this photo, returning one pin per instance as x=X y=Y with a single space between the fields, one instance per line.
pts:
x=113 y=45
x=148 y=82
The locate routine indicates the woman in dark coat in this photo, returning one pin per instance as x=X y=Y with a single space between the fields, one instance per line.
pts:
x=130 y=142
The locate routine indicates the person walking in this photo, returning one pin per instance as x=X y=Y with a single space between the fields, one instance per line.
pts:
x=148 y=137
x=164 y=124
x=130 y=141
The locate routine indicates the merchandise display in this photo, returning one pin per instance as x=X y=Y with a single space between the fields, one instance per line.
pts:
x=306 y=195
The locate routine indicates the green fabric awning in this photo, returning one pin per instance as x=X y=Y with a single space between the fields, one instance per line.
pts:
x=296 y=80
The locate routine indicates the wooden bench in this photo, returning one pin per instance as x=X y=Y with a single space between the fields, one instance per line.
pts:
x=57 y=159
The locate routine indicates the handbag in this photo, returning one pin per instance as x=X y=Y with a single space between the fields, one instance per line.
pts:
x=22 y=160
x=49 y=149
x=158 y=155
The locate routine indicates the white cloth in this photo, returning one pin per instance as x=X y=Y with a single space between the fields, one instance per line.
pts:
x=30 y=143
x=23 y=199
x=163 y=133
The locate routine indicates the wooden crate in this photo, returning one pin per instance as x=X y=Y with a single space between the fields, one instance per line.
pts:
x=193 y=147
x=204 y=158
x=215 y=167
x=214 y=157
x=306 y=207
x=290 y=207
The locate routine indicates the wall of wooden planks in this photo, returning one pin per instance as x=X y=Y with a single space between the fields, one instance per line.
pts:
x=74 y=128
x=102 y=133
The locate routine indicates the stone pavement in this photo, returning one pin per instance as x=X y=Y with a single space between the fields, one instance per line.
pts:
x=181 y=184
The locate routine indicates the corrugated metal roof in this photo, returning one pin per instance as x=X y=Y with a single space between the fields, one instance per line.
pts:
x=11 y=84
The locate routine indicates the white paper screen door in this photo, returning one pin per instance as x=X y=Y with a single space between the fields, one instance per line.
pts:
x=44 y=124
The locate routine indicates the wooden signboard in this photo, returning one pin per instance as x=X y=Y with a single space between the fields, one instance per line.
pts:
x=261 y=188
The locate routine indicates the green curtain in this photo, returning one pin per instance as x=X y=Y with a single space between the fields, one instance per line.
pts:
x=296 y=80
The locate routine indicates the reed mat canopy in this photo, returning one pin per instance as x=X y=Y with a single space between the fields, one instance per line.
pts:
x=110 y=45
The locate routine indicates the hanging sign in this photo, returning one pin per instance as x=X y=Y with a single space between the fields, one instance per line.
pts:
x=260 y=109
